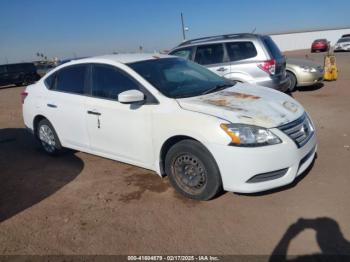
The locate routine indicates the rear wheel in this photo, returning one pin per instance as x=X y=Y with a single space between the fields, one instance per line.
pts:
x=48 y=138
x=293 y=81
x=192 y=170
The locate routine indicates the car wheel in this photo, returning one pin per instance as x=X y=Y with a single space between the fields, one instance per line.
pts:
x=192 y=170
x=48 y=138
x=293 y=81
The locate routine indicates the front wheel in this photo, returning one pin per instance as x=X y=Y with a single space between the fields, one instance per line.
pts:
x=293 y=81
x=193 y=171
x=48 y=138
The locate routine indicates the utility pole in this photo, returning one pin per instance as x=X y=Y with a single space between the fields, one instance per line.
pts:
x=183 y=27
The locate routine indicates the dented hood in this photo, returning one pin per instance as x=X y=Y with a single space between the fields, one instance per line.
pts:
x=247 y=104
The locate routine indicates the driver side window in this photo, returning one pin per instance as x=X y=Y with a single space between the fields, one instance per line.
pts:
x=108 y=82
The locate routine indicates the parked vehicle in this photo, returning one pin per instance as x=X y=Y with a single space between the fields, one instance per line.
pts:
x=346 y=35
x=343 y=44
x=18 y=74
x=320 y=45
x=248 y=58
x=302 y=72
x=42 y=69
x=175 y=117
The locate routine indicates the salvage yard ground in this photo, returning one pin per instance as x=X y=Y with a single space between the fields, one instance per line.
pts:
x=84 y=204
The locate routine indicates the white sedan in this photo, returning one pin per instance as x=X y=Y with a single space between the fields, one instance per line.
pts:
x=175 y=117
x=343 y=44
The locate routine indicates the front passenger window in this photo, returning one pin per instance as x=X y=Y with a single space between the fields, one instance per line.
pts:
x=108 y=82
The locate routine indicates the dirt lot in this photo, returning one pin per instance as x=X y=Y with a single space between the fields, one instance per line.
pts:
x=83 y=204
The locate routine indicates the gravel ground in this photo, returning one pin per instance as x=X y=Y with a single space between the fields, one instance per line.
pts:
x=83 y=204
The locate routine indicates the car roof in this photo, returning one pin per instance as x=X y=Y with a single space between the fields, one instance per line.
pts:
x=218 y=38
x=123 y=58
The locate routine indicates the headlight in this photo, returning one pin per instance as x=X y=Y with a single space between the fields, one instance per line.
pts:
x=308 y=69
x=249 y=136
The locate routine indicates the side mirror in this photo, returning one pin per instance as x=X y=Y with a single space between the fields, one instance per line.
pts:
x=131 y=96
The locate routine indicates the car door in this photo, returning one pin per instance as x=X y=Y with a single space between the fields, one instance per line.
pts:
x=65 y=105
x=243 y=58
x=116 y=130
x=213 y=57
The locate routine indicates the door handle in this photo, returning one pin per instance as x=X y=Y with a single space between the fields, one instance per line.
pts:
x=52 y=105
x=221 y=69
x=93 y=113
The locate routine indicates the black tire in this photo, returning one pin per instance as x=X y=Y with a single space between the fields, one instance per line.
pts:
x=293 y=81
x=19 y=84
x=192 y=170
x=50 y=148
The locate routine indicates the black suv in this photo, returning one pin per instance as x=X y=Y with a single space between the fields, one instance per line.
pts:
x=18 y=74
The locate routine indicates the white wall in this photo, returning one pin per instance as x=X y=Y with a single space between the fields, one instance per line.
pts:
x=295 y=41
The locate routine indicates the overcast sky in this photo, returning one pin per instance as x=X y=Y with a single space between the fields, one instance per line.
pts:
x=68 y=28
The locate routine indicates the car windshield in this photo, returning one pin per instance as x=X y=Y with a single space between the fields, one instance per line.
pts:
x=180 y=78
x=342 y=40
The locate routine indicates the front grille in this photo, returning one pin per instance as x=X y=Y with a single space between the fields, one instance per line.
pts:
x=300 y=130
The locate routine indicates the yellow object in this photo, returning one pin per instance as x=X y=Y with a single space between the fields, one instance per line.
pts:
x=235 y=139
x=330 y=68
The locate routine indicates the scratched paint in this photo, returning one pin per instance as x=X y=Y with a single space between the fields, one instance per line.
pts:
x=242 y=104
x=240 y=95
x=223 y=103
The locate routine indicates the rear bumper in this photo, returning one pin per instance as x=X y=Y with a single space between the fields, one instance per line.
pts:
x=281 y=163
x=319 y=47
x=281 y=85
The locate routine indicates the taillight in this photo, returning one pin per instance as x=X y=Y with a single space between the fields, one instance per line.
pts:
x=24 y=94
x=269 y=66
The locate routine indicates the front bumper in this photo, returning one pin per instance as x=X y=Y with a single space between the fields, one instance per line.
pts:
x=342 y=48
x=309 y=78
x=240 y=164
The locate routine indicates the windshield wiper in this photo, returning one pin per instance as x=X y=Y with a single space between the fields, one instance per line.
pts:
x=218 y=88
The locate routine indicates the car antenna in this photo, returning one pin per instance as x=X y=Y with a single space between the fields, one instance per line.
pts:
x=253 y=31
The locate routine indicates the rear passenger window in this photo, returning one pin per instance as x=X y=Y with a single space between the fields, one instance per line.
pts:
x=184 y=53
x=272 y=47
x=240 y=50
x=71 y=79
x=108 y=82
x=50 y=81
x=209 y=54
